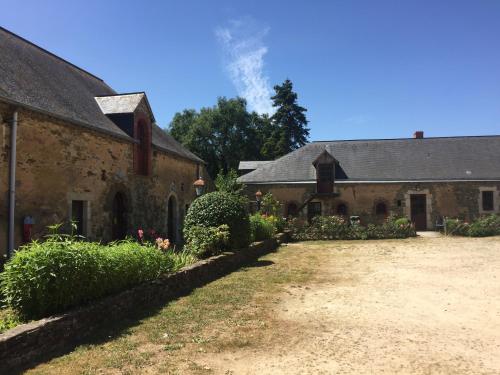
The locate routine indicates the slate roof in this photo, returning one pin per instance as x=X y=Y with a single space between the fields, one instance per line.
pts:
x=447 y=158
x=34 y=78
x=251 y=165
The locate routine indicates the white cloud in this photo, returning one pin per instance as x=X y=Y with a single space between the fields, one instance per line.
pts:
x=244 y=50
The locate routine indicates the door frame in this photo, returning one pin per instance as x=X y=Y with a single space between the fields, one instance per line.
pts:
x=428 y=205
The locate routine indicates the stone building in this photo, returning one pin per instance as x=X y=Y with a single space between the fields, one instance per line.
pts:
x=424 y=179
x=73 y=148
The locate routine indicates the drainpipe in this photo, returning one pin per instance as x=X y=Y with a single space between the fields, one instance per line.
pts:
x=12 y=183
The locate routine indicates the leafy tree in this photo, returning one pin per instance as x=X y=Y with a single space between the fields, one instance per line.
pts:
x=222 y=135
x=228 y=182
x=289 y=120
x=227 y=133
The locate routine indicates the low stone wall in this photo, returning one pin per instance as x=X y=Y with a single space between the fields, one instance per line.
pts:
x=27 y=344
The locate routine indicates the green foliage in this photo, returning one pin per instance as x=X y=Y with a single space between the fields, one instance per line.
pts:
x=402 y=221
x=203 y=242
x=218 y=208
x=261 y=229
x=222 y=135
x=337 y=228
x=228 y=182
x=48 y=277
x=484 y=226
x=270 y=205
x=226 y=133
x=8 y=319
x=289 y=120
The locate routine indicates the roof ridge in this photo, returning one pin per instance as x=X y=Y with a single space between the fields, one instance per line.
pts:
x=122 y=94
x=404 y=139
x=50 y=53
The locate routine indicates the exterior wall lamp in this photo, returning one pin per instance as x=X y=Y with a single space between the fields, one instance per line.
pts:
x=199 y=186
x=258 y=198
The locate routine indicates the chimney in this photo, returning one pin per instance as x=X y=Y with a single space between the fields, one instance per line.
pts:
x=419 y=134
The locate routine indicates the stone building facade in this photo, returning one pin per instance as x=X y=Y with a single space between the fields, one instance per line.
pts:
x=424 y=179
x=85 y=153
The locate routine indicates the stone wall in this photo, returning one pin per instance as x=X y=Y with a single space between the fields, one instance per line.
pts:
x=58 y=162
x=451 y=199
x=37 y=341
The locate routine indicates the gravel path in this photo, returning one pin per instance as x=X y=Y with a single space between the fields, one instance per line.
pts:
x=419 y=306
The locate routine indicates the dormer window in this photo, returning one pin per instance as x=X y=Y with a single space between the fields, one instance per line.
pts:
x=325 y=173
x=142 y=155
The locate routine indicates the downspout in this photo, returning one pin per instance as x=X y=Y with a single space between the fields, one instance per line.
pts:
x=12 y=183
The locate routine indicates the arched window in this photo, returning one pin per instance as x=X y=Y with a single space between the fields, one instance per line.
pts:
x=291 y=209
x=341 y=209
x=142 y=154
x=381 y=209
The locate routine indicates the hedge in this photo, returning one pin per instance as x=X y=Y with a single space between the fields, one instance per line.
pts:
x=48 y=277
x=216 y=209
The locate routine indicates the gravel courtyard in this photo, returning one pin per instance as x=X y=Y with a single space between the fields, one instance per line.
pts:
x=420 y=306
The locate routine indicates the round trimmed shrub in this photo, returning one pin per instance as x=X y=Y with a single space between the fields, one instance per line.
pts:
x=218 y=208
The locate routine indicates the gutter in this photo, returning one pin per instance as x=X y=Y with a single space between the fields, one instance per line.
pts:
x=12 y=183
x=347 y=182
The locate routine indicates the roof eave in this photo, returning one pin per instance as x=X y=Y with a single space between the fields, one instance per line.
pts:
x=83 y=124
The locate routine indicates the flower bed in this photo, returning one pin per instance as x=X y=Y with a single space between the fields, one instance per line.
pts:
x=482 y=227
x=338 y=228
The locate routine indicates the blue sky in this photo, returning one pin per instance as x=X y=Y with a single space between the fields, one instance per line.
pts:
x=364 y=69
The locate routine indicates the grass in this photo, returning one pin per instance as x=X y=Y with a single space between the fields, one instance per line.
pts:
x=227 y=313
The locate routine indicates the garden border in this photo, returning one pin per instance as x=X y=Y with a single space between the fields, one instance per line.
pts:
x=25 y=345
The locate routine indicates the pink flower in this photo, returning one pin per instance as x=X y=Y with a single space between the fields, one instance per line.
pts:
x=140 y=233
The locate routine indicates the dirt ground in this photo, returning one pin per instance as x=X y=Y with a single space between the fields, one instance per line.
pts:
x=417 y=306
x=422 y=306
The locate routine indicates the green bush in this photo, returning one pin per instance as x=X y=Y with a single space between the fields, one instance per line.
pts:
x=48 y=277
x=203 y=242
x=337 y=228
x=482 y=227
x=218 y=208
x=260 y=228
x=456 y=227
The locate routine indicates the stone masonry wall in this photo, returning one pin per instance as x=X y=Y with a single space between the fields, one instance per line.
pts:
x=451 y=199
x=59 y=162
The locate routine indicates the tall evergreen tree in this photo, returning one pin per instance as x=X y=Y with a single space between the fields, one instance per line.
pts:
x=289 y=120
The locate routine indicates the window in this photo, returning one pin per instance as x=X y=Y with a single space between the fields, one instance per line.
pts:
x=341 y=209
x=143 y=149
x=78 y=217
x=325 y=172
x=488 y=201
x=324 y=178
x=313 y=209
x=291 y=209
x=381 y=209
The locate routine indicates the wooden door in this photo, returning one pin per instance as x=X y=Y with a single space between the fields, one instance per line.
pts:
x=418 y=207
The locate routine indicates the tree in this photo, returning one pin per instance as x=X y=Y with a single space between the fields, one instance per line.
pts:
x=289 y=120
x=225 y=134
x=228 y=182
x=222 y=135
